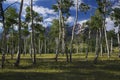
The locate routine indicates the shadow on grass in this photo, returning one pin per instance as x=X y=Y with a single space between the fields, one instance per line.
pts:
x=77 y=70
x=95 y=75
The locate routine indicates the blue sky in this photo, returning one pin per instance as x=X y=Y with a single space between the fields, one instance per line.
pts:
x=44 y=8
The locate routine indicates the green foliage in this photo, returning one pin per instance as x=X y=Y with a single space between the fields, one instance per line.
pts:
x=39 y=29
x=84 y=7
x=11 y=16
x=112 y=34
x=104 y=6
x=54 y=30
x=27 y=16
x=64 y=6
x=36 y=16
x=116 y=16
x=96 y=21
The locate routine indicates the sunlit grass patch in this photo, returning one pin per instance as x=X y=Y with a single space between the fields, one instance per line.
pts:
x=47 y=69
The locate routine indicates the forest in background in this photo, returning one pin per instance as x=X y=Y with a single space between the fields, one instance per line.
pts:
x=60 y=38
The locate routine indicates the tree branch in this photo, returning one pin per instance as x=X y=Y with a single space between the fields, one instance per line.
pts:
x=10 y=5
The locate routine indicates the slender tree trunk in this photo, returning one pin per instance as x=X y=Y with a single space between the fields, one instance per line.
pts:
x=118 y=37
x=45 y=46
x=96 y=48
x=111 y=48
x=88 y=42
x=33 y=38
x=101 y=46
x=86 y=56
x=25 y=46
x=57 y=50
x=3 y=36
x=31 y=49
x=64 y=45
x=72 y=38
x=39 y=46
x=106 y=39
x=63 y=37
x=7 y=49
x=57 y=43
x=66 y=51
x=12 y=46
x=19 y=42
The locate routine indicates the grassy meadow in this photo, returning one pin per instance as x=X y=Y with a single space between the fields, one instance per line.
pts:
x=47 y=69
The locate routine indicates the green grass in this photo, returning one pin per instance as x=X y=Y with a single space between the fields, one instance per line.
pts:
x=47 y=69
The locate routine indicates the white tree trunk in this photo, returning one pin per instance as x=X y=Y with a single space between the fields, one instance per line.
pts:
x=72 y=37
x=111 y=49
x=118 y=37
x=96 y=48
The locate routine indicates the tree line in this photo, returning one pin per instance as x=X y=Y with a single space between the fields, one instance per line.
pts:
x=60 y=38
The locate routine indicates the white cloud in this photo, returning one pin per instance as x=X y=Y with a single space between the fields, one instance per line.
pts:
x=50 y=19
x=117 y=5
x=27 y=2
x=70 y=19
x=82 y=21
x=75 y=2
x=44 y=11
x=17 y=5
x=47 y=14
x=46 y=24
x=109 y=24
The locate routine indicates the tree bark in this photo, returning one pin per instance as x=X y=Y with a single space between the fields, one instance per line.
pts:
x=39 y=47
x=19 y=42
x=72 y=37
x=118 y=37
x=96 y=48
x=111 y=48
x=101 y=46
x=25 y=46
x=45 y=47
x=58 y=46
x=3 y=36
x=33 y=38
x=106 y=39
x=88 y=42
